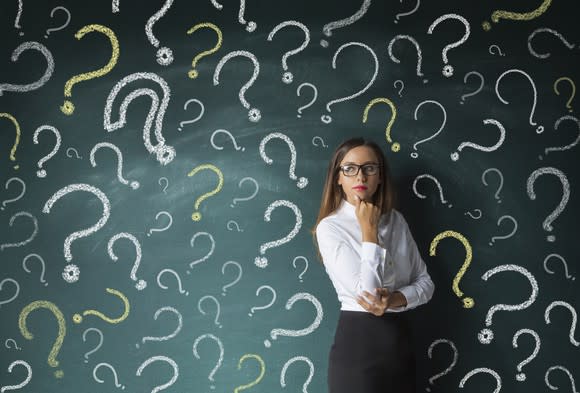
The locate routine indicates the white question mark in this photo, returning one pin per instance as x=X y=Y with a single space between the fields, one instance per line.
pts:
x=453 y=362
x=22 y=192
x=415 y=44
x=166 y=183
x=480 y=370
x=212 y=248
x=42 y=80
x=134 y=183
x=239 y=267
x=13 y=296
x=566 y=305
x=485 y=336
x=426 y=175
x=302 y=181
x=174 y=273
x=107 y=365
x=98 y=345
x=42 y=265
x=71 y=274
x=327 y=29
x=163 y=212
x=317 y=138
x=481 y=83
x=217 y=303
x=231 y=224
x=274 y=333
x=546 y=30
x=514 y=230
x=160 y=358
x=455 y=155
x=568 y=373
x=11 y=340
x=407 y=13
x=315 y=90
x=251 y=25
x=540 y=128
x=41 y=172
x=221 y=357
x=296 y=359
x=262 y=261
x=27 y=240
x=254 y=114
x=164 y=54
x=327 y=118
x=171 y=335
x=68 y=153
x=415 y=154
x=569 y=146
x=557 y=256
x=495 y=170
x=472 y=216
x=448 y=68
x=141 y=284
x=402 y=86
x=287 y=77
x=547 y=224
x=23 y=383
x=305 y=265
x=522 y=376
x=254 y=193
x=229 y=134
x=491 y=52
x=67 y=12
x=202 y=111
x=272 y=291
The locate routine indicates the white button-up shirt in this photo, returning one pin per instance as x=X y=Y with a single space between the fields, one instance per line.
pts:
x=355 y=266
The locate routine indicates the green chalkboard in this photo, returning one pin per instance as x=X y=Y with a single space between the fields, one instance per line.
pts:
x=192 y=268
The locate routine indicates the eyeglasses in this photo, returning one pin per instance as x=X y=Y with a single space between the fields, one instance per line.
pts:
x=352 y=169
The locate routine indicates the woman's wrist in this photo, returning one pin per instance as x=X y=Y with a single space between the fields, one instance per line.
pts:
x=370 y=236
x=397 y=299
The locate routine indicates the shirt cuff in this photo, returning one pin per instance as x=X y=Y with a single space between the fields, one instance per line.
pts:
x=411 y=295
x=373 y=254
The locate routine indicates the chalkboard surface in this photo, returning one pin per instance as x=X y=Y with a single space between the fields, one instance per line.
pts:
x=163 y=166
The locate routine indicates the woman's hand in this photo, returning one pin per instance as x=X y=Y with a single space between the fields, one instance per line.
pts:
x=377 y=304
x=368 y=216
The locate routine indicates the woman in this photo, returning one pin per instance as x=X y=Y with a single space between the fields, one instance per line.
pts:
x=376 y=270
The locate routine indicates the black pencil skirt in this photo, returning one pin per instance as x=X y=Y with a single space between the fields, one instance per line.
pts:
x=371 y=354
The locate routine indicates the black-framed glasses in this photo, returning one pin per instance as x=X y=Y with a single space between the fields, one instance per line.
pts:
x=353 y=169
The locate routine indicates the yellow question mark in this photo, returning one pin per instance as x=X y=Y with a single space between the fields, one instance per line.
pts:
x=257 y=380
x=467 y=301
x=68 y=107
x=77 y=318
x=13 y=151
x=565 y=78
x=61 y=329
x=197 y=215
x=193 y=72
x=496 y=15
x=395 y=146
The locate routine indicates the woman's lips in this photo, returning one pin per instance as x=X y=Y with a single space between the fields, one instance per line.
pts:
x=359 y=188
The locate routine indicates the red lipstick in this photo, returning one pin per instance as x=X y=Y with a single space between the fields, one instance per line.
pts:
x=359 y=188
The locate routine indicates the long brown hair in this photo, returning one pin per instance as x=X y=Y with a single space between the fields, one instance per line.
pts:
x=332 y=193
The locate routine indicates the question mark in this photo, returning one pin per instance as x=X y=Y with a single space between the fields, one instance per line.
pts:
x=514 y=230
x=174 y=273
x=68 y=107
x=317 y=138
x=22 y=192
x=107 y=365
x=402 y=86
x=272 y=291
x=546 y=30
x=193 y=72
x=67 y=12
x=407 y=13
x=42 y=265
x=23 y=383
x=574 y=318
x=254 y=193
x=485 y=336
x=415 y=44
x=570 y=377
x=491 y=52
x=98 y=345
x=196 y=216
x=212 y=248
x=30 y=238
x=428 y=176
x=481 y=83
x=500 y=181
x=134 y=183
x=166 y=183
x=234 y=263
x=171 y=335
x=254 y=114
x=315 y=90
x=327 y=29
x=251 y=26
x=68 y=153
x=274 y=333
x=305 y=265
x=164 y=54
x=13 y=296
x=569 y=146
x=262 y=261
x=480 y=370
x=217 y=315
x=453 y=362
x=202 y=111
x=496 y=15
x=302 y=181
x=448 y=68
x=565 y=78
x=468 y=302
x=259 y=378
x=160 y=358
x=472 y=216
x=287 y=77
x=42 y=80
x=17 y=141
x=293 y=360
x=563 y=263
x=77 y=318
x=232 y=223
x=522 y=376
x=547 y=224
x=455 y=155
x=221 y=357
x=11 y=340
x=166 y=227
x=415 y=154
x=52 y=362
x=41 y=172
x=327 y=118
x=220 y=131
x=71 y=273
x=395 y=147
x=141 y=284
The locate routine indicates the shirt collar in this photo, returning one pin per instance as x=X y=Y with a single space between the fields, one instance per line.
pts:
x=347 y=209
